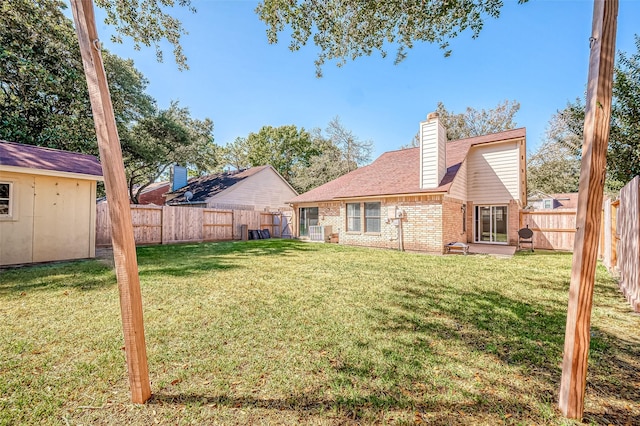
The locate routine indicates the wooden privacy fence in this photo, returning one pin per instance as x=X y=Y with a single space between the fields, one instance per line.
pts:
x=619 y=247
x=624 y=235
x=552 y=229
x=172 y=224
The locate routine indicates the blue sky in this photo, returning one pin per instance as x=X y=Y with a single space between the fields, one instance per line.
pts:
x=536 y=53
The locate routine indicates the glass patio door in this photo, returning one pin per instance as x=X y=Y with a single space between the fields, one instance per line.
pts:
x=491 y=224
x=308 y=217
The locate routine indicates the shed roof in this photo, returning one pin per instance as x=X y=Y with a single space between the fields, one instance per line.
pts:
x=398 y=172
x=41 y=158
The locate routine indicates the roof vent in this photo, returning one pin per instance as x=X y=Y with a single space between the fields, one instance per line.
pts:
x=188 y=196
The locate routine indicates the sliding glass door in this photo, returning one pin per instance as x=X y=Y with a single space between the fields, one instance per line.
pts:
x=491 y=224
x=308 y=217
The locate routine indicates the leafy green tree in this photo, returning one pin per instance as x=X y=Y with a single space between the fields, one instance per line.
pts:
x=555 y=166
x=169 y=137
x=347 y=29
x=283 y=147
x=327 y=165
x=147 y=24
x=236 y=154
x=623 y=155
x=44 y=98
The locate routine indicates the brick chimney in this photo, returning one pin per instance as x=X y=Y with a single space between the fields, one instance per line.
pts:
x=433 y=160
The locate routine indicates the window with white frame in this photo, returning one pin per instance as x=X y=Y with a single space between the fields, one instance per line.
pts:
x=372 y=217
x=5 y=198
x=353 y=217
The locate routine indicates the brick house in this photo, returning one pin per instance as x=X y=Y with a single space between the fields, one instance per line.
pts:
x=419 y=199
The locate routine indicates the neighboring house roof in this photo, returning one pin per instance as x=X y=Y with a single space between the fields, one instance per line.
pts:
x=205 y=187
x=398 y=172
x=153 y=194
x=567 y=200
x=39 y=158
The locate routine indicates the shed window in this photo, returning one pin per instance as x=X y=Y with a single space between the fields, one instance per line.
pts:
x=353 y=217
x=5 y=199
x=372 y=217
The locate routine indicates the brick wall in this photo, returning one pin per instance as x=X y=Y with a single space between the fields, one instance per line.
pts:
x=421 y=224
x=329 y=215
x=513 y=222
x=452 y=230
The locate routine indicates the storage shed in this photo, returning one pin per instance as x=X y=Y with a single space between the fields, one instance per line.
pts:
x=47 y=204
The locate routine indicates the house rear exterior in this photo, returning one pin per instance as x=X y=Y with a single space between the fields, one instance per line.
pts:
x=420 y=199
x=47 y=204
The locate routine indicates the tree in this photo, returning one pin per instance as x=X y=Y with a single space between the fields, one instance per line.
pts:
x=474 y=122
x=43 y=98
x=283 y=147
x=327 y=165
x=146 y=23
x=355 y=152
x=623 y=154
x=169 y=137
x=623 y=157
x=44 y=94
x=347 y=29
x=236 y=154
x=555 y=166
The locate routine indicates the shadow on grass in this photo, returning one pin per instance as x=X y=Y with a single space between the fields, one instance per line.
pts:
x=523 y=334
x=367 y=409
x=82 y=275
x=189 y=259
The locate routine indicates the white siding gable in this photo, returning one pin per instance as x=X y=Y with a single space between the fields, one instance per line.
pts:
x=264 y=190
x=432 y=153
x=459 y=186
x=493 y=173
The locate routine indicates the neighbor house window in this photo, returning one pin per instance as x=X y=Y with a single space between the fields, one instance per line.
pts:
x=5 y=199
x=353 y=217
x=371 y=217
x=548 y=204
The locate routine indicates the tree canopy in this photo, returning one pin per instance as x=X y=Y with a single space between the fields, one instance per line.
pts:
x=348 y=29
x=555 y=166
x=44 y=99
x=305 y=159
x=623 y=154
x=147 y=24
x=167 y=137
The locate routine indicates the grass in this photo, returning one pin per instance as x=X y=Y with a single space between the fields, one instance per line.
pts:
x=283 y=332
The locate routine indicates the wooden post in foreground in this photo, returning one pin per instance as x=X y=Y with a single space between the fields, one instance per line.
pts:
x=124 y=248
x=588 y=220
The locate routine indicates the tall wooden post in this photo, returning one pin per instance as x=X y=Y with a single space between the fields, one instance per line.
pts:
x=124 y=248
x=588 y=221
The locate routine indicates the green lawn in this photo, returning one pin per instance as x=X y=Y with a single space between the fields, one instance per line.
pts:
x=283 y=332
